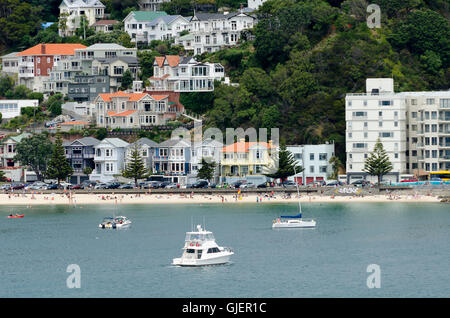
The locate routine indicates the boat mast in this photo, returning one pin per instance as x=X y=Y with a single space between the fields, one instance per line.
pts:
x=298 y=192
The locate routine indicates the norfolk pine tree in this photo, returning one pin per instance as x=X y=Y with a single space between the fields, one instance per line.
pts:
x=286 y=164
x=378 y=164
x=58 y=166
x=135 y=169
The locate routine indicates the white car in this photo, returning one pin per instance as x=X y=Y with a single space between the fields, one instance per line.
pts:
x=247 y=185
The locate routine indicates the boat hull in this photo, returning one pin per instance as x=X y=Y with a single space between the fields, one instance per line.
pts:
x=223 y=259
x=296 y=224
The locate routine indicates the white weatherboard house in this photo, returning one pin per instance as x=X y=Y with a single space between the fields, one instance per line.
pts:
x=135 y=24
x=109 y=159
x=92 y=10
x=166 y=27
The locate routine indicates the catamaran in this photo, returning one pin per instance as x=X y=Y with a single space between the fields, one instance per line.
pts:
x=200 y=249
x=294 y=221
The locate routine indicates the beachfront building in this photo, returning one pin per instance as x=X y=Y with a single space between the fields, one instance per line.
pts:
x=184 y=74
x=214 y=31
x=151 y=5
x=208 y=149
x=109 y=159
x=172 y=159
x=37 y=62
x=166 y=27
x=72 y=11
x=8 y=150
x=413 y=127
x=136 y=24
x=80 y=153
x=247 y=160
x=147 y=149
x=314 y=159
x=96 y=69
x=10 y=64
x=134 y=110
x=10 y=108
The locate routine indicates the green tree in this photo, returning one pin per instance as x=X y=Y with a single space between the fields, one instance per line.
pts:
x=378 y=164
x=127 y=80
x=336 y=164
x=34 y=151
x=59 y=167
x=2 y=176
x=6 y=84
x=206 y=172
x=135 y=168
x=286 y=165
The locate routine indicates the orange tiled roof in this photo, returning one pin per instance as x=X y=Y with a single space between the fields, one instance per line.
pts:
x=122 y=114
x=243 y=146
x=133 y=97
x=173 y=60
x=159 y=97
x=159 y=60
x=52 y=49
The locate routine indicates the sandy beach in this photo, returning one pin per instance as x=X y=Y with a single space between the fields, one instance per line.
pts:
x=79 y=199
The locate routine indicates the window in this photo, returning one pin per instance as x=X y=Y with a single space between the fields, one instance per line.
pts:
x=414 y=114
x=380 y=124
x=311 y=169
x=360 y=145
x=395 y=123
x=386 y=103
x=323 y=169
x=365 y=135
x=389 y=134
x=311 y=156
x=444 y=103
x=430 y=101
x=380 y=114
x=359 y=114
x=323 y=156
x=298 y=156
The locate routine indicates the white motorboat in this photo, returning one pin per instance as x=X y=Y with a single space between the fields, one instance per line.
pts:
x=200 y=249
x=294 y=221
x=114 y=222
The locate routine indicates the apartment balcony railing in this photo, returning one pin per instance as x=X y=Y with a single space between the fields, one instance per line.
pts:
x=446 y=157
x=442 y=118
x=80 y=156
x=446 y=144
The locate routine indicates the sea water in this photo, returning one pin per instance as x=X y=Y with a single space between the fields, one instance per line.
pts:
x=410 y=244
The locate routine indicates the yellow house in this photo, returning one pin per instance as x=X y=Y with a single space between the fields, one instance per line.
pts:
x=247 y=158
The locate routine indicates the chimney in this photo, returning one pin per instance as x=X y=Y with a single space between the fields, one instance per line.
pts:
x=43 y=49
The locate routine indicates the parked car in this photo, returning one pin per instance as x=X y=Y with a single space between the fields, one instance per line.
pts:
x=164 y=184
x=113 y=185
x=360 y=182
x=333 y=183
x=101 y=186
x=153 y=185
x=38 y=185
x=127 y=186
x=200 y=184
x=17 y=186
x=262 y=185
x=172 y=186
x=288 y=183
x=87 y=184
x=237 y=184
x=75 y=187
x=6 y=186
x=187 y=186
x=247 y=185
x=52 y=186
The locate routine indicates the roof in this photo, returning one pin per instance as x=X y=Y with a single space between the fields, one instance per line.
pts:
x=105 y=22
x=167 y=19
x=146 y=16
x=210 y=16
x=83 y=4
x=10 y=55
x=106 y=46
x=173 y=60
x=52 y=49
x=122 y=114
x=133 y=97
x=243 y=146
x=144 y=141
x=19 y=138
x=86 y=141
x=159 y=60
x=116 y=142
x=159 y=97
x=174 y=142
x=186 y=37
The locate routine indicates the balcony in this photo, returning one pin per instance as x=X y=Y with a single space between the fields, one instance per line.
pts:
x=80 y=156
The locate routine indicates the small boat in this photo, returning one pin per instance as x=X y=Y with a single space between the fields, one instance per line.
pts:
x=294 y=221
x=201 y=249
x=15 y=216
x=114 y=222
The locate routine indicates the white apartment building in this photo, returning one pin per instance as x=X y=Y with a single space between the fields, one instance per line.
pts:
x=213 y=31
x=184 y=74
x=208 y=149
x=314 y=159
x=12 y=108
x=73 y=10
x=413 y=127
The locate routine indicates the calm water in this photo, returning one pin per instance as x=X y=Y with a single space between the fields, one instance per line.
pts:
x=410 y=243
